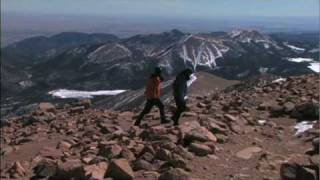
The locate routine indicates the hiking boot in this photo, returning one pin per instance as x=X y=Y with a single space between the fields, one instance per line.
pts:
x=137 y=123
x=176 y=123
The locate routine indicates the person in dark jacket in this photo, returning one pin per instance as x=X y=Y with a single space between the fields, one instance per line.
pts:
x=180 y=89
x=152 y=94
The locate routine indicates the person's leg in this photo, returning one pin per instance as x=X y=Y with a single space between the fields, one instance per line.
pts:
x=160 y=105
x=181 y=107
x=145 y=111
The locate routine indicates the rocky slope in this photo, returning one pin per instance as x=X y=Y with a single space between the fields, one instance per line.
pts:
x=243 y=132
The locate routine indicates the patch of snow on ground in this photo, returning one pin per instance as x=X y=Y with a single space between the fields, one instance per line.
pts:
x=303 y=126
x=300 y=60
x=263 y=70
x=294 y=47
x=266 y=45
x=279 y=80
x=262 y=122
x=64 y=93
x=315 y=50
x=315 y=66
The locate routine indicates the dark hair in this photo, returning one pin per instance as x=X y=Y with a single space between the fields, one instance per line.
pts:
x=187 y=71
x=157 y=70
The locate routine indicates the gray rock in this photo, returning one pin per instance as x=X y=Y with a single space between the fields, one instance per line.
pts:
x=200 y=149
x=175 y=174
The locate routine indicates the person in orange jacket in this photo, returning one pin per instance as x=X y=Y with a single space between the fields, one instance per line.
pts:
x=152 y=94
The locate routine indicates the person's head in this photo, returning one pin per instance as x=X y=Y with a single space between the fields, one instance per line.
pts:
x=157 y=71
x=187 y=72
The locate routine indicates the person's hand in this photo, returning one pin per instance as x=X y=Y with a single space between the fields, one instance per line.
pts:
x=161 y=78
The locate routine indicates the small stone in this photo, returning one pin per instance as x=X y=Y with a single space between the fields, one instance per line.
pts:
x=189 y=114
x=230 y=117
x=77 y=110
x=163 y=154
x=288 y=106
x=18 y=168
x=247 y=153
x=51 y=153
x=110 y=151
x=87 y=159
x=142 y=165
x=315 y=159
x=64 y=145
x=85 y=102
x=47 y=107
x=127 y=154
x=6 y=150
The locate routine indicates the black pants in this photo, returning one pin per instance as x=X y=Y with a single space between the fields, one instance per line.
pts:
x=181 y=107
x=150 y=103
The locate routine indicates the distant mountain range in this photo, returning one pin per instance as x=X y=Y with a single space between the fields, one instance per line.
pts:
x=34 y=66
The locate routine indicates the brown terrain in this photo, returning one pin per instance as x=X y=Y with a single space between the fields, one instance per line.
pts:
x=239 y=133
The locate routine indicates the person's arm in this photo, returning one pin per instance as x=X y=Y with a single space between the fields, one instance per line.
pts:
x=161 y=78
x=157 y=85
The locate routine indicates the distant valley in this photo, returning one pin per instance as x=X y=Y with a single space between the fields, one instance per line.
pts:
x=33 y=67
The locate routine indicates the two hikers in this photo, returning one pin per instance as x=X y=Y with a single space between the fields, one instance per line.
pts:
x=152 y=94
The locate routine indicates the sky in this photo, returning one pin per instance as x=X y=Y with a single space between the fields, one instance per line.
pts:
x=25 y=18
x=166 y=8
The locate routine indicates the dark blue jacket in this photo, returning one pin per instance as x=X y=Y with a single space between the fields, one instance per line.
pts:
x=180 y=88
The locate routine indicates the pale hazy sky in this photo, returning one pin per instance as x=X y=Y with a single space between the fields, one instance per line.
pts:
x=166 y=8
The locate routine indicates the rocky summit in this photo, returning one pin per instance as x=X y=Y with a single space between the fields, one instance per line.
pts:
x=262 y=128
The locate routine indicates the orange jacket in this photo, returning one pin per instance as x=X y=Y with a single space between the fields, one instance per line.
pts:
x=153 y=88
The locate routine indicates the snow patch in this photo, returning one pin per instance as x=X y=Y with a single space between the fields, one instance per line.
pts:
x=263 y=70
x=235 y=33
x=315 y=50
x=262 y=122
x=300 y=59
x=266 y=45
x=315 y=66
x=243 y=74
x=280 y=80
x=294 y=47
x=302 y=127
x=65 y=93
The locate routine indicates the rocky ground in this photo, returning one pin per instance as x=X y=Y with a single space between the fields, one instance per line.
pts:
x=244 y=132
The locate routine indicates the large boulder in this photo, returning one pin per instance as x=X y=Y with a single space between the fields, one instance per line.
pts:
x=45 y=169
x=120 y=169
x=200 y=149
x=306 y=111
x=163 y=154
x=72 y=168
x=296 y=172
x=194 y=132
x=175 y=174
x=96 y=171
